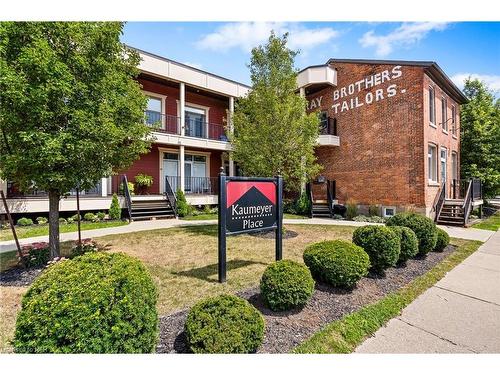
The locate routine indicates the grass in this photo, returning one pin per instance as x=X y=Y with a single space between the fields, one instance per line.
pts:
x=344 y=335
x=43 y=230
x=491 y=223
x=214 y=217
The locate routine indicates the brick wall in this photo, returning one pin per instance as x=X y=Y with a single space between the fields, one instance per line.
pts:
x=380 y=159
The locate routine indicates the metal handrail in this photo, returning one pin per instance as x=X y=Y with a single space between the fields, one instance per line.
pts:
x=467 y=205
x=169 y=193
x=329 y=186
x=439 y=200
x=128 y=199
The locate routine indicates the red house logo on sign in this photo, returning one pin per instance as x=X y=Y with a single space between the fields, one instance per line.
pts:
x=250 y=206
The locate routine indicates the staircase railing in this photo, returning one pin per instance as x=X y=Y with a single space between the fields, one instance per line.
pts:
x=330 y=193
x=439 y=200
x=467 y=206
x=310 y=196
x=169 y=193
x=128 y=199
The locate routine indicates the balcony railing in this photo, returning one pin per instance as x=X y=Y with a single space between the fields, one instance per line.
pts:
x=195 y=185
x=328 y=126
x=192 y=128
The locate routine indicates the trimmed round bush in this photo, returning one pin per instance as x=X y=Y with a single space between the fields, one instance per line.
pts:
x=424 y=228
x=94 y=303
x=409 y=243
x=24 y=222
x=339 y=263
x=443 y=240
x=224 y=324
x=285 y=285
x=381 y=244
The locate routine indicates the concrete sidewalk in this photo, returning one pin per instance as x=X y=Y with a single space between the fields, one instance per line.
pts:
x=138 y=226
x=460 y=314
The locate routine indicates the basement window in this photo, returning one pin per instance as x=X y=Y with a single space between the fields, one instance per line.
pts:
x=388 y=211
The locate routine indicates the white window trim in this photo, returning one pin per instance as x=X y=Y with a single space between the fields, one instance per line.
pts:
x=202 y=107
x=454 y=168
x=385 y=208
x=443 y=121
x=445 y=164
x=163 y=99
x=454 y=122
x=434 y=105
x=432 y=182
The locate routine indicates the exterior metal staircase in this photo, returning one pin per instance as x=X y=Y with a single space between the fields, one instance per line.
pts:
x=322 y=207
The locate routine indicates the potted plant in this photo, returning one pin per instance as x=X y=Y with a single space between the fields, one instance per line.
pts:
x=143 y=182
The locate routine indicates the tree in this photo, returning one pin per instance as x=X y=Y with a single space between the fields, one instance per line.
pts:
x=71 y=111
x=480 y=136
x=273 y=134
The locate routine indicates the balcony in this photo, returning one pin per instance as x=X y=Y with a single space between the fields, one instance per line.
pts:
x=196 y=133
x=195 y=185
x=321 y=76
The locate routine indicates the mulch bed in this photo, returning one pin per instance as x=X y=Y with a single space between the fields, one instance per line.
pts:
x=286 y=330
x=271 y=234
x=19 y=276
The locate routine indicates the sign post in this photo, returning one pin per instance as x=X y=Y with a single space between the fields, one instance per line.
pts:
x=248 y=204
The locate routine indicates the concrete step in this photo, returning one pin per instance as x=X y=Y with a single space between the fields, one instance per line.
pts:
x=135 y=218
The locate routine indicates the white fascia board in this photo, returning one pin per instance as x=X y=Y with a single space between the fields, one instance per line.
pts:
x=179 y=140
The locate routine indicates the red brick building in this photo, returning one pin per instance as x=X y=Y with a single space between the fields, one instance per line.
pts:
x=397 y=128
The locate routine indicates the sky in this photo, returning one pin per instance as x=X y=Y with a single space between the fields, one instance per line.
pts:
x=461 y=49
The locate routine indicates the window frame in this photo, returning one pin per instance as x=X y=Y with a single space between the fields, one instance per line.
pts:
x=162 y=99
x=441 y=169
x=454 y=165
x=432 y=106
x=454 y=120
x=444 y=114
x=430 y=173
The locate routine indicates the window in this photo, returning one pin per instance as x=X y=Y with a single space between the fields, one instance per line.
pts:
x=153 y=111
x=388 y=211
x=195 y=122
x=444 y=154
x=444 y=114
x=432 y=163
x=432 y=106
x=323 y=124
x=454 y=165
x=453 y=120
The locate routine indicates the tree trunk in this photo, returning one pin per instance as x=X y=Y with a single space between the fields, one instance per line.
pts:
x=54 y=223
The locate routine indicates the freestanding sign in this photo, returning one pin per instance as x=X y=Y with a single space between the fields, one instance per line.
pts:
x=248 y=204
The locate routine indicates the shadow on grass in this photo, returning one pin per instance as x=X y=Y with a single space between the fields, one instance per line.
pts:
x=207 y=230
x=205 y=273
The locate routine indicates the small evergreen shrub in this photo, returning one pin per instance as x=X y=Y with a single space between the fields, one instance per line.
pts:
x=89 y=216
x=443 y=240
x=381 y=243
x=224 y=324
x=339 y=263
x=424 y=228
x=289 y=206
x=101 y=215
x=42 y=220
x=285 y=285
x=303 y=205
x=352 y=209
x=35 y=254
x=70 y=220
x=115 y=211
x=63 y=221
x=75 y=217
x=373 y=210
x=94 y=303
x=183 y=208
x=24 y=222
x=409 y=243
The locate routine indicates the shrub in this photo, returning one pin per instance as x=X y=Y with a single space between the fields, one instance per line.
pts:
x=339 y=263
x=373 y=210
x=87 y=246
x=381 y=243
x=286 y=284
x=35 y=254
x=101 y=215
x=89 y=216
x=130 y=188
x=70 y=220
x=75 y=217
x=63 y=221
x=115 y=211
x=143 y=180
x=409 y=243
x=443 y=239
x=183 y=208
x=361 y=218
x=352 y=209
x=289 y=206
x=303 y=204
x=369 y=219
x=224 y=324
x=207 y=209
x=95 y=303
x=337 y=217
x=424 y=228
x=42 y=220
x=24 y=222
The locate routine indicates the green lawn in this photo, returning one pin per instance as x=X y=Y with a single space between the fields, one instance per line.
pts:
x=214 y=217
x=43 y=230
x=344 y=335
x=491 y=223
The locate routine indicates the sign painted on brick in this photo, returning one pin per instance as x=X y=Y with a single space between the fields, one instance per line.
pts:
x=350 y=96
x=250 y=206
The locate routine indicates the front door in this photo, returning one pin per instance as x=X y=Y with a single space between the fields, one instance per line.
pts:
x=188 y=169
x=170 y=170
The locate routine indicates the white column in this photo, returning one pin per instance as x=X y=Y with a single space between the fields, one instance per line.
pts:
x=231 y=130
x=302 y=92
x=104 y=187
x=182 y=106
x=181 y=167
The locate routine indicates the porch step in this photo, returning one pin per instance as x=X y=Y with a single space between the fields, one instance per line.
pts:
x=452 y=213
x=149 y=217
x=320 y=209
x=149 y=209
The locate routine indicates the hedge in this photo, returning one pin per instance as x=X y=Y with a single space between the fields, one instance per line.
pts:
x=424 y=228
x=381 y=243
x=409 y=243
